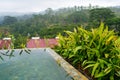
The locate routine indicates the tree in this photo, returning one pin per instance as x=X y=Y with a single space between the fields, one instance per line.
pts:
x=114 y=23
x=49 y=11
x=100 y=14
x=20 y=41
x=9 y=20
x=78 y=17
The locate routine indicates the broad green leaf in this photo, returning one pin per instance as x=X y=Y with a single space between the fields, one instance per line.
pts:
x=75 y=61
x=101 y=28
x=101 y=60
x=75 y=30
x=101 y=74
x=117 y=66
x=90 y=62
x=118 y=73
x=77 y=48
x=107 y=70
x=88 y=66
x=109 y=39
x=94 y=68
x=84 y=63
x=71 y=55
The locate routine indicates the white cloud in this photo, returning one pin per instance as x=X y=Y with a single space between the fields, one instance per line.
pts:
x=38 y=5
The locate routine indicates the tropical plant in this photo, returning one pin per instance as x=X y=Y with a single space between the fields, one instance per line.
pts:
x=13 y=43
x=97 y=51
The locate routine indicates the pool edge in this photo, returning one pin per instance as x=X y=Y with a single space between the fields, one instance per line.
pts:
x=75 y=74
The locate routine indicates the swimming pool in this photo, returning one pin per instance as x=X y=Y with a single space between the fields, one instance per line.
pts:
x=40 y=64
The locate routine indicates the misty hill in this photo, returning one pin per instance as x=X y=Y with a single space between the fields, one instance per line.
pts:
x=18 y=15
x=13 y=13
x=51 y=22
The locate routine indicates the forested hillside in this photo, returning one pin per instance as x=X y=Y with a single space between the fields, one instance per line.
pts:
x=51 y=22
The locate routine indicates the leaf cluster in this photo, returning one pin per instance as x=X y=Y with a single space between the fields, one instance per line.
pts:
x=97 y=51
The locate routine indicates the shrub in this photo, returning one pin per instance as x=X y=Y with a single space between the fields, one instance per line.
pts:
x=97 y=50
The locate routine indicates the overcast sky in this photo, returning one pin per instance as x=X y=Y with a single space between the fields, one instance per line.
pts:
x=40 y=5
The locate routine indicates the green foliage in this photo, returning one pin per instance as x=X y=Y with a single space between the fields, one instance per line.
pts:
x=20 y=41
x=100 y=14
x=96 y=50
x=52 y=20
x=78 y=17
x=9 y=20
x=9 y=46
x=114 y=23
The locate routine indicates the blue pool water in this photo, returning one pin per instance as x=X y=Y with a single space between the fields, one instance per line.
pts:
x=38 y=65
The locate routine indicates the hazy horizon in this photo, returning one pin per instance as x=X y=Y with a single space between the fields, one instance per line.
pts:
x=27 y=6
